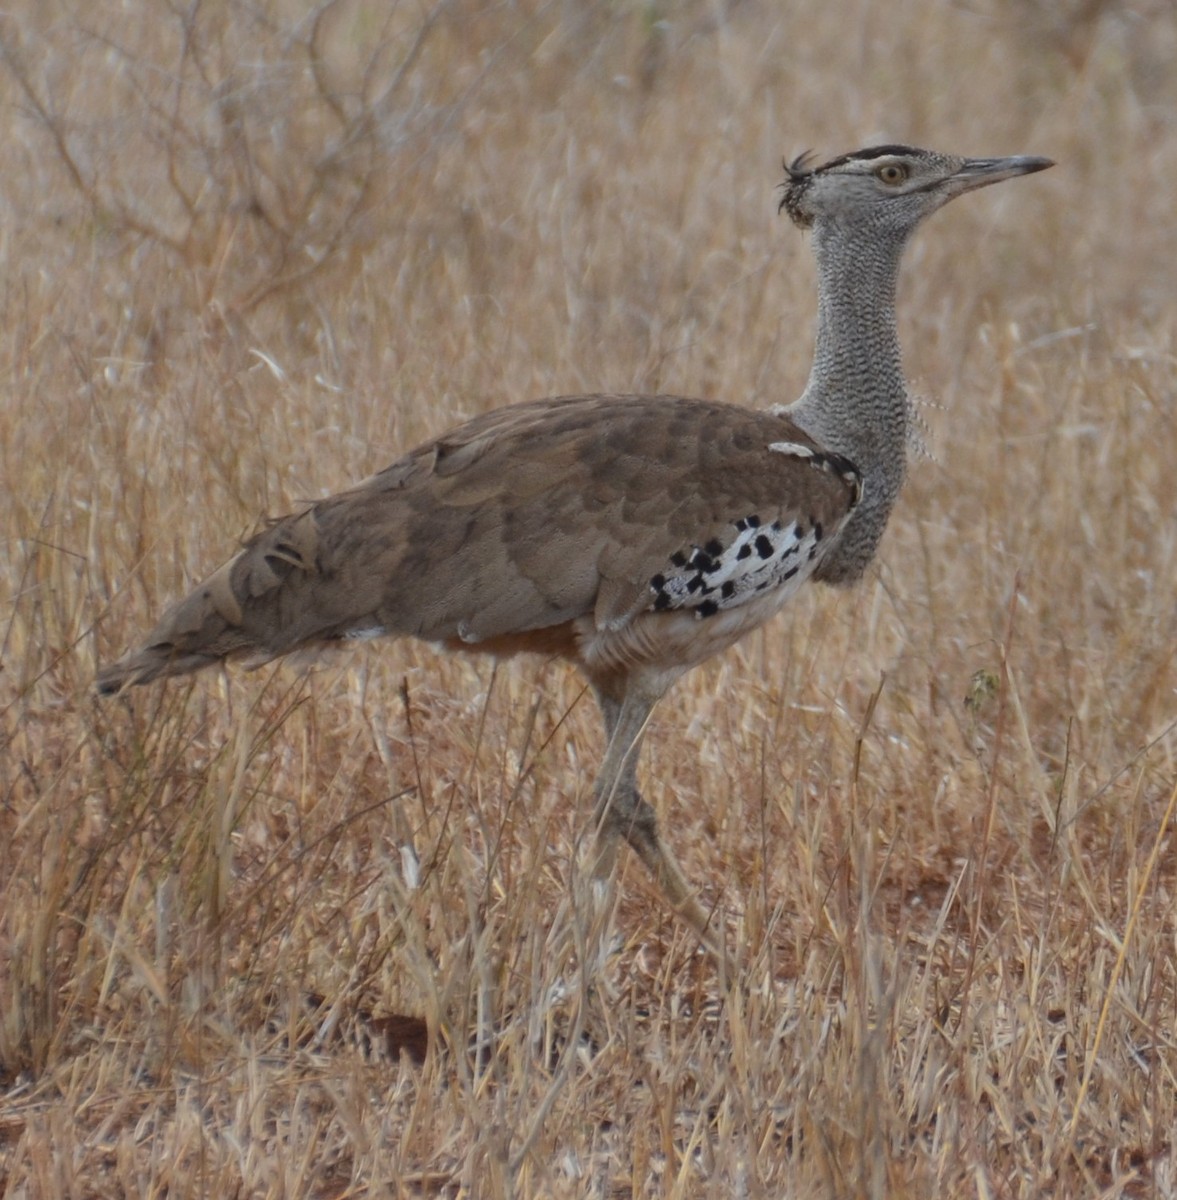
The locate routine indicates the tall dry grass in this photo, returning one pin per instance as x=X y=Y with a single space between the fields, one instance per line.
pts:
x=251 y=252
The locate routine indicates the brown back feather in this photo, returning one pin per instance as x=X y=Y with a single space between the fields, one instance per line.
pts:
x=521 y=520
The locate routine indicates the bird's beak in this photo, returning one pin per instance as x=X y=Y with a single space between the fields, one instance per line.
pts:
x=980 y=172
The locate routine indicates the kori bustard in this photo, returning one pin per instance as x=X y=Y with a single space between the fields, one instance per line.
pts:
x=635 y=536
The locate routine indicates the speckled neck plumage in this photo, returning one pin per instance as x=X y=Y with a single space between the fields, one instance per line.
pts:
x=856 y=400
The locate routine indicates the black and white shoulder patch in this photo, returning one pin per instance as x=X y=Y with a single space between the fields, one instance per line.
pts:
x=754 y=555
x=729 y=571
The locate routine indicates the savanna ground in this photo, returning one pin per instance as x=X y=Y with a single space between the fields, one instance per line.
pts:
x=252 y=251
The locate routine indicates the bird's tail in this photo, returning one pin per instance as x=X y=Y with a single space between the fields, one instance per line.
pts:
x=254 y=605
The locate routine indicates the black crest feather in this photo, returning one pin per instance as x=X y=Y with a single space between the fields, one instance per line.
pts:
x=797 y=175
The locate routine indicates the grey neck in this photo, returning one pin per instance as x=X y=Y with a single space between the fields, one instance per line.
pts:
x=856 y=399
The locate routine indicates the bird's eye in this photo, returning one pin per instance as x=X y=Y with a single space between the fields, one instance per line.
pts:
x=891 y=173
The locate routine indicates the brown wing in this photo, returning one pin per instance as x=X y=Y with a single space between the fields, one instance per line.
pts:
x=522 y=520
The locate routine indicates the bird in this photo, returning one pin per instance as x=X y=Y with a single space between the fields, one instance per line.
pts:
x=633 y=536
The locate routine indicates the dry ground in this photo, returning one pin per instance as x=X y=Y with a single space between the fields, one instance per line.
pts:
x=249 y=252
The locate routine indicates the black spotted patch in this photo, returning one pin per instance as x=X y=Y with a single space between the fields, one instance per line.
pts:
x=753 y=557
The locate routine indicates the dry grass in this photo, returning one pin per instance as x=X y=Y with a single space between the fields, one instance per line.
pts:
x=248 y=256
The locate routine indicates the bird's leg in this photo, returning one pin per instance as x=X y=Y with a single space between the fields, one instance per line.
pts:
x=622 y=813
x=604 y=855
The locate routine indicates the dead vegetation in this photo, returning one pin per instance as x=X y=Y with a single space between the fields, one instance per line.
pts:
x=251 y=251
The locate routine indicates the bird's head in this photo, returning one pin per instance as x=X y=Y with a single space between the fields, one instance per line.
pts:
x=889 y=188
